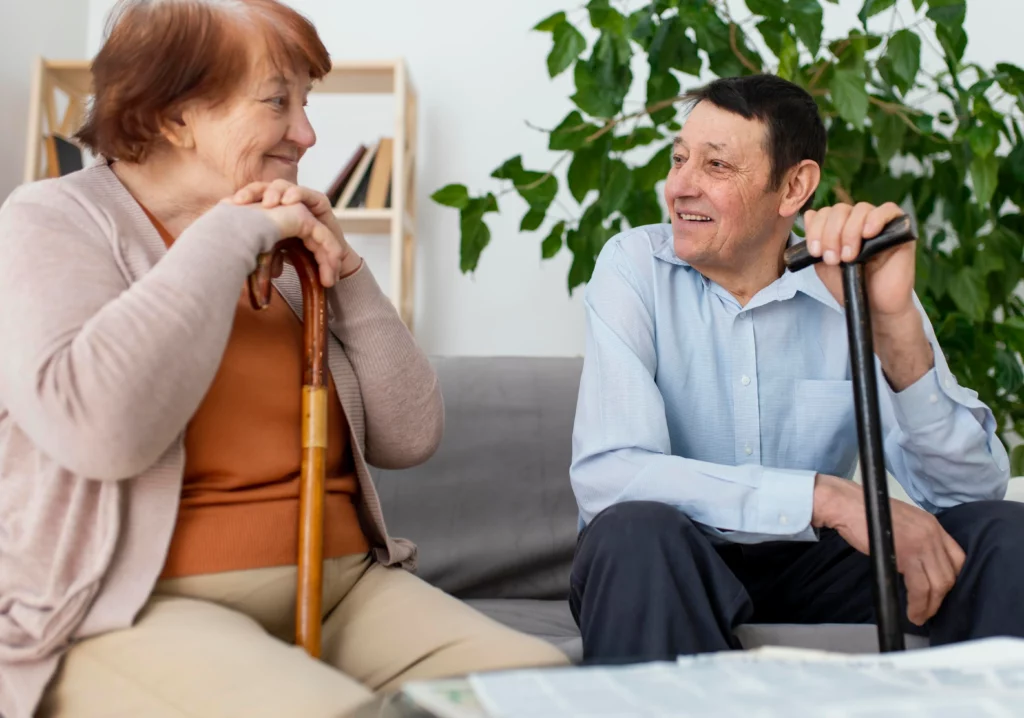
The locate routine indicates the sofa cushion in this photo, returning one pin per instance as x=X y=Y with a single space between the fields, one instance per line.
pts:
x=492 y=511
x=553 y=622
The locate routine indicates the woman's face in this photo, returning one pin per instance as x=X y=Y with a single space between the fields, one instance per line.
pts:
x=258 y=134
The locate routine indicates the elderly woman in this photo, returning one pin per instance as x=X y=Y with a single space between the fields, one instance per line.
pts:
x=149 y=449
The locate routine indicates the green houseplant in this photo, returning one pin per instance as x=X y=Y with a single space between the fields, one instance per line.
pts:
x=948 y=144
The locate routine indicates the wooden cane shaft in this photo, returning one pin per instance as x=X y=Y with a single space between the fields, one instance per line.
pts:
x=309 y=583
x=311 y=520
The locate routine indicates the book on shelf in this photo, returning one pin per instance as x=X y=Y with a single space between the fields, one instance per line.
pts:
x=366 y=180
x=360 y=178
x=334 y=191
x=62 y=156
x=380 y=179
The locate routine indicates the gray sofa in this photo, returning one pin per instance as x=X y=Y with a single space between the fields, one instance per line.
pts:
x=494 y=514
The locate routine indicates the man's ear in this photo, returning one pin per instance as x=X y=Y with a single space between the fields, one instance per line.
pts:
x=798 y=186
x=177 y=130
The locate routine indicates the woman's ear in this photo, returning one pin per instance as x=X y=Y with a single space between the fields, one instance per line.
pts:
x=800 y=184
x=177 y=130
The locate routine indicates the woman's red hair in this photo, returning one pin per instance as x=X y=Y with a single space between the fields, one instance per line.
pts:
x=161 y=54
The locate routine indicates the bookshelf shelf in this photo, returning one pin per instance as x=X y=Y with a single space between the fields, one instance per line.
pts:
x=61 y=88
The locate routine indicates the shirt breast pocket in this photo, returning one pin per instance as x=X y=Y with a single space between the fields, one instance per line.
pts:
x=826 y=425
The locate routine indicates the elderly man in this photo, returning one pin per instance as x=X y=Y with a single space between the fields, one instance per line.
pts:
x=715 y=434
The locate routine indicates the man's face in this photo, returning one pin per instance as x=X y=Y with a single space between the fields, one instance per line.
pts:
x=718 y=190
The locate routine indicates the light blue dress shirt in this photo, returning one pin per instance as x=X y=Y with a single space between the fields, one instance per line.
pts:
x=728 y=412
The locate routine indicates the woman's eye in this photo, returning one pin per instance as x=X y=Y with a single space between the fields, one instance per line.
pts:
x=717 y=165
x=276 y=101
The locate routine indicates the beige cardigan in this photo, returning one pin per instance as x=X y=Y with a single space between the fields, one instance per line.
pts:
x=108 y=342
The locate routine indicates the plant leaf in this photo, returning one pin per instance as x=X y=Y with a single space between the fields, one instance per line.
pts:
x=890 y=131
x=549 y=23
x=947 y=12
x=568 y=44
x=639 y=137
x=984 y=175
x=1017 y=460
x=850 y=96
x=662 y=86
x=968 y=291
x=789 y=58
x=553 y=242
x=511 y=169
x=533 y=219
x=768 y=8
x=806 y=17
x=474 y=232
x=904 y=51
x=452 y=195
x=603 y=80
x=984 y=139
x=773 y=31
x=872 y=8
x=1009 y=374
x=656 y=169
x=604 y=17
x=585 y=170
x=642 y=207
x=571 y=133
x=615 y=187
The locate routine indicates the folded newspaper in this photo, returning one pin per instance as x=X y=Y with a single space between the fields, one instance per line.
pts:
x=977 y=678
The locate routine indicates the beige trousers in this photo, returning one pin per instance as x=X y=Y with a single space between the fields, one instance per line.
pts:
x=220 y=646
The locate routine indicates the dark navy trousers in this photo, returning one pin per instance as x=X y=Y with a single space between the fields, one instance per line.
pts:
x=647 y=584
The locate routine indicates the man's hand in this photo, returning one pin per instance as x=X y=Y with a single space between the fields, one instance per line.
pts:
x=928 y=558
x=835 y=234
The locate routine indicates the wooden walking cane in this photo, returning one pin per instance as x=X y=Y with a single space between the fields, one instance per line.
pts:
x=309 y=590
x=869 y=422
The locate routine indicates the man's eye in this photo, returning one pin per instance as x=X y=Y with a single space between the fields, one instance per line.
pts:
x=678 y=159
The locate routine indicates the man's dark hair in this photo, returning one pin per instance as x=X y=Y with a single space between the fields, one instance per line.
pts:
x=795 y=130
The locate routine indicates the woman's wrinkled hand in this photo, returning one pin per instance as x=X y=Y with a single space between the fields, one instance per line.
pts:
x=304 y=211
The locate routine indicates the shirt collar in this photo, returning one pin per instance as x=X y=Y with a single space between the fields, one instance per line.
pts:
x=783 y=288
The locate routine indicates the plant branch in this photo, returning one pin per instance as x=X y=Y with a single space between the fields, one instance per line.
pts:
x=842 y=193
x=659 y=105
x=736 y=50
x=817 y=74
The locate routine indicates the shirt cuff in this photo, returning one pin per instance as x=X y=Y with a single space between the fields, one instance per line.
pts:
x=786 y=502
x=923 y=403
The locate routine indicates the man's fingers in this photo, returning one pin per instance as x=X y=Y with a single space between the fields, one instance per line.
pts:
x=918 y=589
x=954 y=551
x=941 y=578
x=853 y=231
x=832 y=232
x=879 y=217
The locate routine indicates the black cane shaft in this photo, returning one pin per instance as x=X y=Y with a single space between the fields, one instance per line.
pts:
x=872 y=462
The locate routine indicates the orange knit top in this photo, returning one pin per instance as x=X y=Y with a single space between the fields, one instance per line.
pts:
x=240 y=493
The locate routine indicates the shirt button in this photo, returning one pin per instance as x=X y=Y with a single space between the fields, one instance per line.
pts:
x=934 y=398
x=745 y=380
x=747 y=450
x=783 y=519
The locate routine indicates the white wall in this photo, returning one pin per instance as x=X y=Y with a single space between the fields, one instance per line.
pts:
x=51 y=28
x=480 y=74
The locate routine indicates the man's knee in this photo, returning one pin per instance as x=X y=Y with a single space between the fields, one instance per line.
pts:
x=636 y=533
x=992 y=528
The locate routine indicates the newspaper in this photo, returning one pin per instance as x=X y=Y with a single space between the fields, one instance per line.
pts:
x=980 y=678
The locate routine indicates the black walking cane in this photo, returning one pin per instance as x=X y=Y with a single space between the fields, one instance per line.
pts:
x=869 y=423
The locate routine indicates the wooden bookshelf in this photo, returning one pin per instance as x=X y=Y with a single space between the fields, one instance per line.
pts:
x=61 y=88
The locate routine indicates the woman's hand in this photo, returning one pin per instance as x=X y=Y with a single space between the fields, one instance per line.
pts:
x=283 y=198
